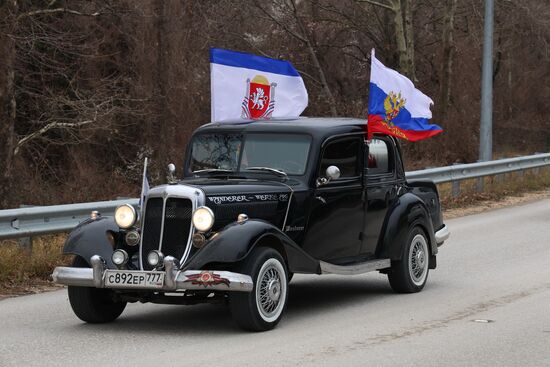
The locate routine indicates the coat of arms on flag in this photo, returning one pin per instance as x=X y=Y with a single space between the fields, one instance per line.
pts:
x=259 y=98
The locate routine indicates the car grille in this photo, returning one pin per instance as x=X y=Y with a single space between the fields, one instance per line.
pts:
x=177 y=227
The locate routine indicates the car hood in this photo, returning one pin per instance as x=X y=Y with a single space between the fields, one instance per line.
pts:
x=259 y=199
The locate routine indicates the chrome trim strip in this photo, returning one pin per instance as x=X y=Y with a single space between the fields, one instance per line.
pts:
x=163 y=220
x=442 y=235
x=288 y=206
x=371 y=265
x=174 y=280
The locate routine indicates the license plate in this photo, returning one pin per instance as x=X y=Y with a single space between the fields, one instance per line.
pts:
x=134 y=279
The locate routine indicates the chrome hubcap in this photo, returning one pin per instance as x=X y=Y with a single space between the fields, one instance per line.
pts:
x=418 y=264
x=274 y=290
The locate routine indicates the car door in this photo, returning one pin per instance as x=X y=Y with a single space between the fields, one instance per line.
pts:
x=382 y=187
x=337 y=215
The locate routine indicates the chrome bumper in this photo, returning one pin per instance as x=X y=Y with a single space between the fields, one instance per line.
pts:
x=442 y=235
x=174 y=279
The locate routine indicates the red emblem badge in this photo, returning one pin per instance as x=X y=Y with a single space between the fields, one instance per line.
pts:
x=207 y=278
x=259 y=100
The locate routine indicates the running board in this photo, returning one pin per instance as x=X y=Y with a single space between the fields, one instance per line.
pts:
x=354 y=269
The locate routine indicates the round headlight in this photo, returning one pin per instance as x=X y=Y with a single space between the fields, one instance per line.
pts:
x=203 y=219
x=125 y=216
x=119 y=257
x=154 y=258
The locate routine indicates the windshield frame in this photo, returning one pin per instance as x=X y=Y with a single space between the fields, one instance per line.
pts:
x=245 y=135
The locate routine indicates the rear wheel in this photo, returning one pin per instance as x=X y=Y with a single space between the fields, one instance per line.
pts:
x=409 y=275
x=93 y=305
x=263 y=307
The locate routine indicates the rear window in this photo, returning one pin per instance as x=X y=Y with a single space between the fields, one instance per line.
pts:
x=378 y=160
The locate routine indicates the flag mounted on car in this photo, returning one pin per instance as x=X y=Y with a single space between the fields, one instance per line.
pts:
x=249 y=87
x=396 y=107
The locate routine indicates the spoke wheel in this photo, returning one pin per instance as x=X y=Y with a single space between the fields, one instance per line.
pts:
x=410 y=274
x=418 y=260
x=261 y=309
x=271 y=290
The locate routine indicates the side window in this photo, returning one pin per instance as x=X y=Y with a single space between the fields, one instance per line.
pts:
x=344 y=154
x=379 y=158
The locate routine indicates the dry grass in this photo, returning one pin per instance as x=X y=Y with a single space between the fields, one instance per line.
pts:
x=21 y=272
x=495 y=188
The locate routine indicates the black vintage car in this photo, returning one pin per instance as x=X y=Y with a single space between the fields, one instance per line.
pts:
x=257 y=203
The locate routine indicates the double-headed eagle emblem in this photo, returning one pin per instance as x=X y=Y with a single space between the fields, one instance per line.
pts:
x=393 y=104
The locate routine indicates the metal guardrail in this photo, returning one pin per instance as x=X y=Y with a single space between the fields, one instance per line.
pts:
x=33 y=221
x=480 y=169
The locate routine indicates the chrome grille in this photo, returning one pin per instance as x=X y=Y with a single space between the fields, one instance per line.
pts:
x=177 y=225
x=152 y=225
x=176 y=230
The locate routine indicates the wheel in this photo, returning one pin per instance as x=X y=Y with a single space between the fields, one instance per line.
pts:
x=93 y=305
x=261 y=309
x=409 y=274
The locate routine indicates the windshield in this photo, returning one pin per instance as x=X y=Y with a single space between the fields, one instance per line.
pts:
x=232 y=152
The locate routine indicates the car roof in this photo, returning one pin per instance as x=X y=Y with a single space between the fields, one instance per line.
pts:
x=319 y=127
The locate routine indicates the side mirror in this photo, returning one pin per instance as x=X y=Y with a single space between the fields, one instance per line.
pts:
x=171 y=173
x=332 y=173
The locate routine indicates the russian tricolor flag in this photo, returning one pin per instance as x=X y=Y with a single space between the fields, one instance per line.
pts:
x=396 y=107
x=249 y=87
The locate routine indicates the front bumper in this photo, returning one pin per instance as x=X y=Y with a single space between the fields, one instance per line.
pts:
x=174 y=279
x=442 y=235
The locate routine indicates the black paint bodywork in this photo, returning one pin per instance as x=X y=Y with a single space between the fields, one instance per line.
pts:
x=347 y=221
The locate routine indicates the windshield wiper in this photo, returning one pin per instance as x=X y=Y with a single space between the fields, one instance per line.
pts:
x=213 y=170
x=267 y=169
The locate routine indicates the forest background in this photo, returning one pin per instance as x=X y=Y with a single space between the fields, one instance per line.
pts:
x=89 y=88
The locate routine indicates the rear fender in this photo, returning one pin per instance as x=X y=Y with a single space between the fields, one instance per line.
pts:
x=407 y=212
x=236 y=240
x=90 y=238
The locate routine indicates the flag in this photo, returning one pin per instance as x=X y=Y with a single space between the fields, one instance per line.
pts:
x=243 y=87
x=396 y=107
x=144 y=184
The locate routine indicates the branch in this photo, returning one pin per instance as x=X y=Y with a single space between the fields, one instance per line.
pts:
x=386 y=6
x=51 y=125
x=280 y=24
x=56 y=10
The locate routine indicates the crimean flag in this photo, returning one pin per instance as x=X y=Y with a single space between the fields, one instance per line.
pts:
x=396 y=107
x=243 y=87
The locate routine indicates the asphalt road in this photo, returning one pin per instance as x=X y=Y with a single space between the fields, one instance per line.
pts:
x=495 y=267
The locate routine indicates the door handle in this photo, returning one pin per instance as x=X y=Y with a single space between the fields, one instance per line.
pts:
x=321 y=199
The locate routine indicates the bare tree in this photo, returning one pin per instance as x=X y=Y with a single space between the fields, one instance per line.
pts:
x=448 y=47
x=300 y=32
x=403 y=28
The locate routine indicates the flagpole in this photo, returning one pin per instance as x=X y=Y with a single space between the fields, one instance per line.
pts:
x=486 y=123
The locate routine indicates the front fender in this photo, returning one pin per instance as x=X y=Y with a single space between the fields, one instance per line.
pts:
x=407 y=212
x=235 y=241
x=90 y=238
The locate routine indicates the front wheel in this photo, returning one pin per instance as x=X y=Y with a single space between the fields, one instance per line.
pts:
x=262 y=308
x=409 y=274
x=93 y=305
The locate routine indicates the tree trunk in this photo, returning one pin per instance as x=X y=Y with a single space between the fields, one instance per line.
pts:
x=161 y=81
x=409 y=33
x=7 y=99
x=400 y=39
x=316 y=63
x=448 y=47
